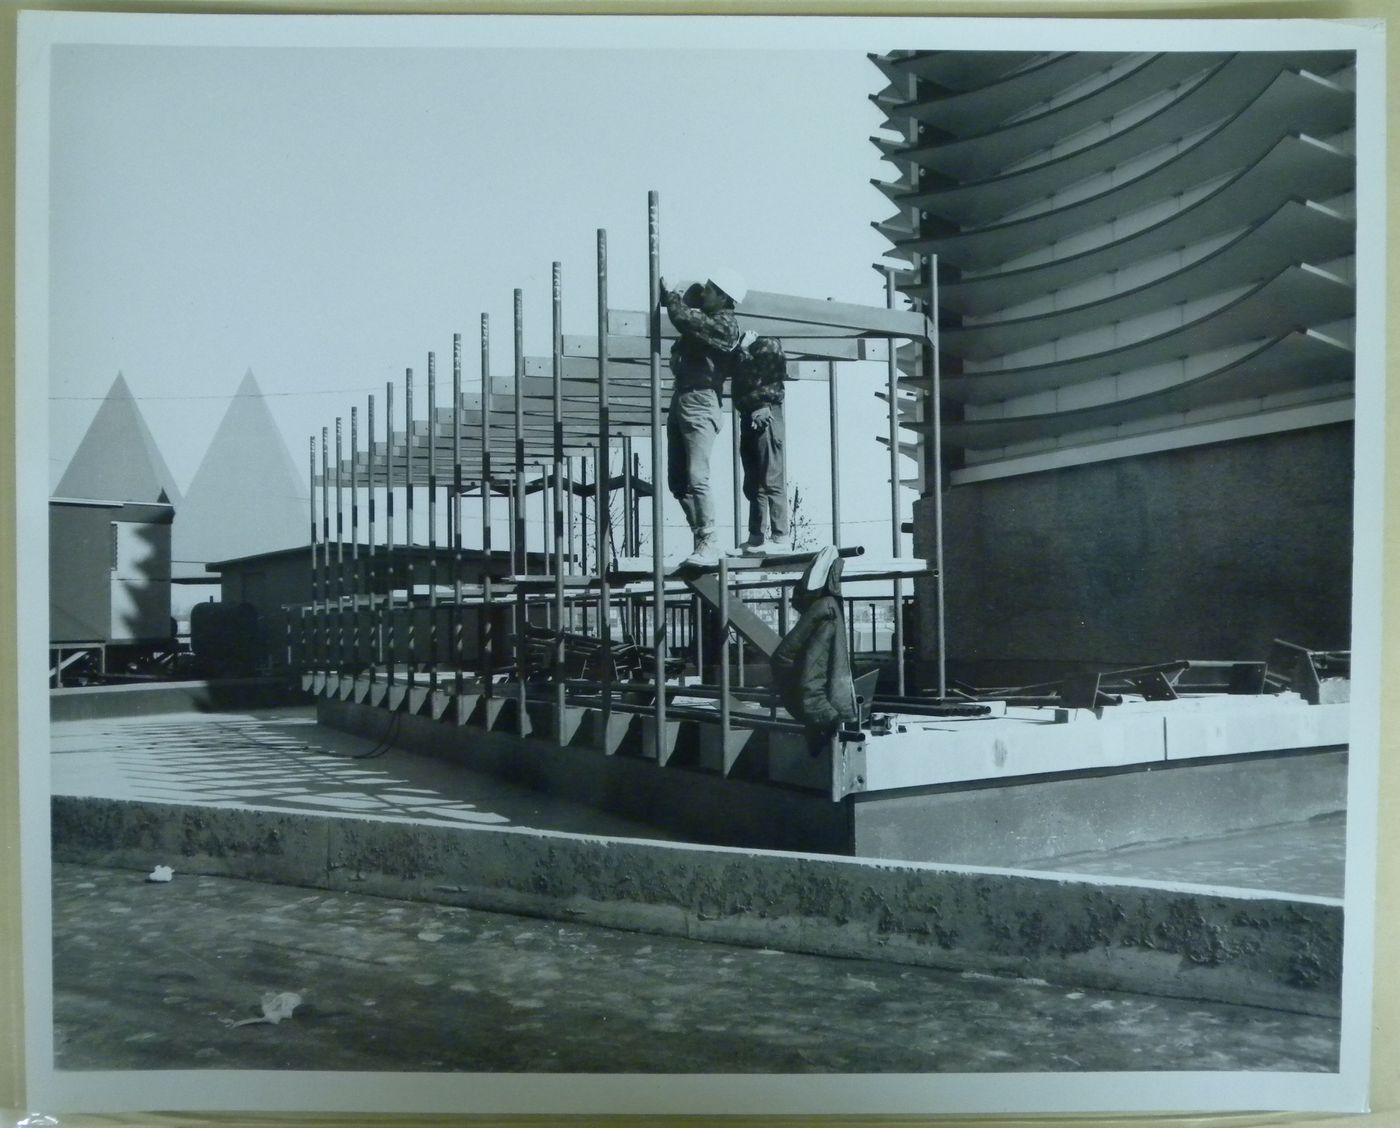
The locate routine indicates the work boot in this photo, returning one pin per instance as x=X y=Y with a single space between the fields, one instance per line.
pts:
x=706 y=553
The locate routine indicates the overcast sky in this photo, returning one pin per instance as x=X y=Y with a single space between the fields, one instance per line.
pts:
x=325 y=217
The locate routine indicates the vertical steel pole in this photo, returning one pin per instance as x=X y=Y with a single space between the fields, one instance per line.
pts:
x=583 y=526
x=557 y=366
x=326 y=650
x=308 y=638
x=627 y=549
x=376 y=643
x=339 y=551
x=740 y=524
x=546 y=510
x=390 y=635
x=735 y=466
x=636 y=503
x=722 y=641
x=604 y=470
x=410 y=584
x=432 y=524
x=518 y=558
x=457 y=609
x=354 y=542
x=518 y=555
x=574 y=533
x=658 y=536
x=892 y=387
x=835 y=433
x=697 y=634
x=488 y=639
x=937 y=405
x=628 y=623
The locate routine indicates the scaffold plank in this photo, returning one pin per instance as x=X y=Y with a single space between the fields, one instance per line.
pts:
x=807 y=345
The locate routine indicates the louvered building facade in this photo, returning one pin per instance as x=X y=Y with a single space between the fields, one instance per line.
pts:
x=1145 y=290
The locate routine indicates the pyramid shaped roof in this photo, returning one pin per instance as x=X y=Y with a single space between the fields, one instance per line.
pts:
x=247 y=496
x=118 y=459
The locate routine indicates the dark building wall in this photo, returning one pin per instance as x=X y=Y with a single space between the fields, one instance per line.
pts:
x=269 y=584
x=1205 y=552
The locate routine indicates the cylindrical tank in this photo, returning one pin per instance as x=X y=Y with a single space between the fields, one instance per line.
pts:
x=226 y=639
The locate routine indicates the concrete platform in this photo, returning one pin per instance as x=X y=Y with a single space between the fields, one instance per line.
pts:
x=1000 y=791
x=275 y=797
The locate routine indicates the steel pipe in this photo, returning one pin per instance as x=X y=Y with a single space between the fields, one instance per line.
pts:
x=410 y=624
x=487 y=632
x=658 y=534
x=892 y=390
x=937 y=430
x=390 y=634
x=519 y=556
x=557 y=675
x=458 y=627
x=603 y=518
x=432 y=524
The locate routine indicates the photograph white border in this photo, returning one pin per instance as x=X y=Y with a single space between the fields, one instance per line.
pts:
x=253 y=1091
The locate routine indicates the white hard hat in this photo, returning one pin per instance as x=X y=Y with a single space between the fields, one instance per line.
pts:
x=730 y=282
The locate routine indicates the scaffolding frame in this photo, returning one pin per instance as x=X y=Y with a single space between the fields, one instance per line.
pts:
x=590 y=397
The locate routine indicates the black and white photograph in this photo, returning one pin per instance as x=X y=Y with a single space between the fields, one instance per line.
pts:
x=701 y=564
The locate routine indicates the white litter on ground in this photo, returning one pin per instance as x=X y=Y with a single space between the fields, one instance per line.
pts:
x=275 y=1005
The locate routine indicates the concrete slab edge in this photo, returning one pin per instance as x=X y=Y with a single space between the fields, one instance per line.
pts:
x=80 y=703
x=1206 y=944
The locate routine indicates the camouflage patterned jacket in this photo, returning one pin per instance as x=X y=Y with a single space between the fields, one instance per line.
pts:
x=759 y=375
x=705 y=352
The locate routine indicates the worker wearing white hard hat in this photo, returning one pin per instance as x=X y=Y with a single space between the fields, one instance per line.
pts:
x=730 y=284
x=702 y=357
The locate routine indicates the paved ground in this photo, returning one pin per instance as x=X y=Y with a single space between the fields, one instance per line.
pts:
x=281 y=759
x=159 y=976
x=152 y=976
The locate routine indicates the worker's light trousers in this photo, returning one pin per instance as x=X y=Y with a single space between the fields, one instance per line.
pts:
x=691 y=426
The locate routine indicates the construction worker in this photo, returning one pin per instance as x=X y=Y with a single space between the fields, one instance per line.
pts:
x=758 y=395
x=703 y=355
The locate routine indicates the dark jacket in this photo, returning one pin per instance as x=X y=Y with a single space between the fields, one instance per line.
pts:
x=759 y=375
x=707 y=348
x=812 y=665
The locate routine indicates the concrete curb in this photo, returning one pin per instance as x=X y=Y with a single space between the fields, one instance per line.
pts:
x=82 y=703
x=1224 y=945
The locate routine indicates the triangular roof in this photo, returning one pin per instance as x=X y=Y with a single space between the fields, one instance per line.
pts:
x=246 y=497
x=118 y=457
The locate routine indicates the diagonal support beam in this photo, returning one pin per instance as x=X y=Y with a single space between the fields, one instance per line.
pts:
x=754 y=630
